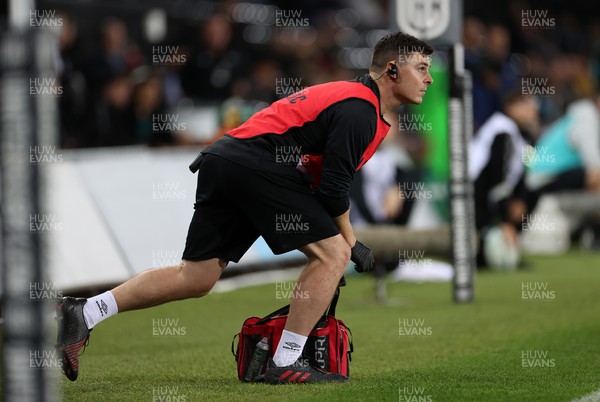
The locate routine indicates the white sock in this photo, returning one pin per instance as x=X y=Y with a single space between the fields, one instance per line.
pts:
x=289 y=348
x=99 y=308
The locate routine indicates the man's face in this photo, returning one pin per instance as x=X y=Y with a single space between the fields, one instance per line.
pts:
x=413 y=78
x=525 y=112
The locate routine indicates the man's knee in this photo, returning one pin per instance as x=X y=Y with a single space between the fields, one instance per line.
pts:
x=199 y=277
x=334 y=252
x=338 y=257
x=344 y=253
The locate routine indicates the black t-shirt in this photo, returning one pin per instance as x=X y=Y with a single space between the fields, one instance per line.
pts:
x=341 y=132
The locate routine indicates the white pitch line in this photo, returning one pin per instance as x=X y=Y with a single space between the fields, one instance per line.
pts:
x=593 y=397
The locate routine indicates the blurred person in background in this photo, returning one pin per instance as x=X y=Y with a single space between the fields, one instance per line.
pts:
x=378 y=194
x=108 y=108
x=148 y=109
x=567 y=154
x=566 y=158
x=215 y=61
x=263 y=81
x=171 y=79
x=493 y=74
x=559 y=75
x=72 y=102
x=374 y=195
x=112 y=122
x=249 y=95
x=497 y=169
x=594 y=40
x=474 y=33
x=118 y=54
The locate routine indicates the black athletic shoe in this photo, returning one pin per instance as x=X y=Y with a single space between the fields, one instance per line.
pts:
x=72 y=334
x=299 y=373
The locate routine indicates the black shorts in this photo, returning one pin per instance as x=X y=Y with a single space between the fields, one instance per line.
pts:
x=236 y=204
x=573 y=179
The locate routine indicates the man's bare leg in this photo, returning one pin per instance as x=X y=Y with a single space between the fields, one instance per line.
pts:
x=150 y=288
x=154 y=287
x=327 y=260
x=161 y=285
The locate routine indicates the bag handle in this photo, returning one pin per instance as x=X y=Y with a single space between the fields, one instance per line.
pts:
x=334 y=302
x=336 y=296
x=232 y=342
x=351 y=346
x=280 y=311
x=286 y=309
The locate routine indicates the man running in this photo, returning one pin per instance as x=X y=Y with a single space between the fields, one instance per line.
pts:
x=296 y=158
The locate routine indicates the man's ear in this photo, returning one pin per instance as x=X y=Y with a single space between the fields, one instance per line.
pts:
x=385 y=70
x=392 y=70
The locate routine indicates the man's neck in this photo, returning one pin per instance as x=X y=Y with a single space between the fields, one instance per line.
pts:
x=383 y=95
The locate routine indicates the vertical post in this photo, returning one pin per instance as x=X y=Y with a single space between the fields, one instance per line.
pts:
x=25 y=122
x=461 y=189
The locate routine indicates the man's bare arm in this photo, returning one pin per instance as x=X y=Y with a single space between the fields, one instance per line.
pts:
x=343 y=224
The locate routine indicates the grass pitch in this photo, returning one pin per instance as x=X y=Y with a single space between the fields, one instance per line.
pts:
x=505 y=346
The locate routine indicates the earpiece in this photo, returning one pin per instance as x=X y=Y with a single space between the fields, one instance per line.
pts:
x=393 y=71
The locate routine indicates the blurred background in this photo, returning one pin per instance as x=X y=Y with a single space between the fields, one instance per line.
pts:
x=121 y=62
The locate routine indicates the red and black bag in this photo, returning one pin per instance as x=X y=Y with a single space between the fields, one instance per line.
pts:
x=329 y=345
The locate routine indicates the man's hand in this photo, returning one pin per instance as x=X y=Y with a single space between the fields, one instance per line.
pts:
x=363 y=257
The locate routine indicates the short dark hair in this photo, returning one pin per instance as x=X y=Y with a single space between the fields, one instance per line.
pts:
x=392 y=45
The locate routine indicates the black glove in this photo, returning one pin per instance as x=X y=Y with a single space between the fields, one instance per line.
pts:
x=362 y=256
